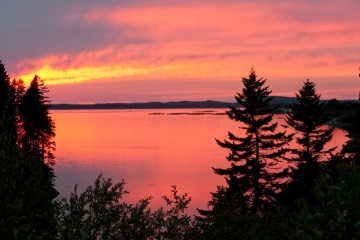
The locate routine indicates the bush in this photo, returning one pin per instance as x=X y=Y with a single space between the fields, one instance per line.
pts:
x=98 y=214
x=229 y=219
x=337 y=212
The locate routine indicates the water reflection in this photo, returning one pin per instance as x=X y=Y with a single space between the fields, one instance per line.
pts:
x=151 y=152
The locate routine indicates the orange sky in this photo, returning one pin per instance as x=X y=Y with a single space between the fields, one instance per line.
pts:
x=135 y=51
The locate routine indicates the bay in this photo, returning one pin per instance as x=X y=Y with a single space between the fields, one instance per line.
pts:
x=150 y=149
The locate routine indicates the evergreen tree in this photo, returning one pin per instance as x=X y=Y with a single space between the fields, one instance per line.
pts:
x=37 y=124
x=18 y=87
x=4 y=87
x=307 y=118
x=7 y=107
x=25 y=194
x=351 y=150
x=254 y=175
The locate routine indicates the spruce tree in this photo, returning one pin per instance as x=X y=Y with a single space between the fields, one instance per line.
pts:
x=351 y=150
x=7 y=107
x=4 y=88
x=254 y=175
x=307 y=118
x=18 y=87
x=37 y=124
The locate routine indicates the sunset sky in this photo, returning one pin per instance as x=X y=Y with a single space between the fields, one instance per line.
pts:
x=91 y=51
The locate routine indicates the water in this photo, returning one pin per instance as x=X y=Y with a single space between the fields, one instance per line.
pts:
x=150 y=152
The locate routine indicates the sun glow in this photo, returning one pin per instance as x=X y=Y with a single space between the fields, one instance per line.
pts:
x=57 y=76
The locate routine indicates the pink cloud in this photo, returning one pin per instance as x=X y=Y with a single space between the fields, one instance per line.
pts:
x=205 y=41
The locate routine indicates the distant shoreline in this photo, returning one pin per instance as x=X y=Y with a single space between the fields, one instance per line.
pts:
x=148 y=105
x=166 y=105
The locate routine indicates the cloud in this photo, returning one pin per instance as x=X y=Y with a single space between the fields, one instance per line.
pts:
x=179 y=40
x=54 y=76
x=177 y=90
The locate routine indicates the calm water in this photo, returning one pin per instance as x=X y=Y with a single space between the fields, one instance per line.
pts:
x=150 y=152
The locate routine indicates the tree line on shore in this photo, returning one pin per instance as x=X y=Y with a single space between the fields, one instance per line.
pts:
x=316 y=196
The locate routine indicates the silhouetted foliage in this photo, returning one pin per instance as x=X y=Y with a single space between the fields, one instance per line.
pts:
x=307 y=118
x=334 y=108
x=352 y=148
x=26 y=210
x=7 y=107
x=98 y=213
x=19 y=93
x=254 y=175
x=37 y=124
x=228 y=220
x=336 y=212
x=26 y=207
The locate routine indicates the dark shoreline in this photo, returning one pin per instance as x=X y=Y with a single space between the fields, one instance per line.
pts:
x=169 y=105
x=148 y=105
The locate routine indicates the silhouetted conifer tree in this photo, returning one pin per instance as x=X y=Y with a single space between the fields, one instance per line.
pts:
x=4 y=88
x=352 y=147
x=19 y=89
x=254 y=175
x=307 y=118
x=37 y=124
x=7 y=107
